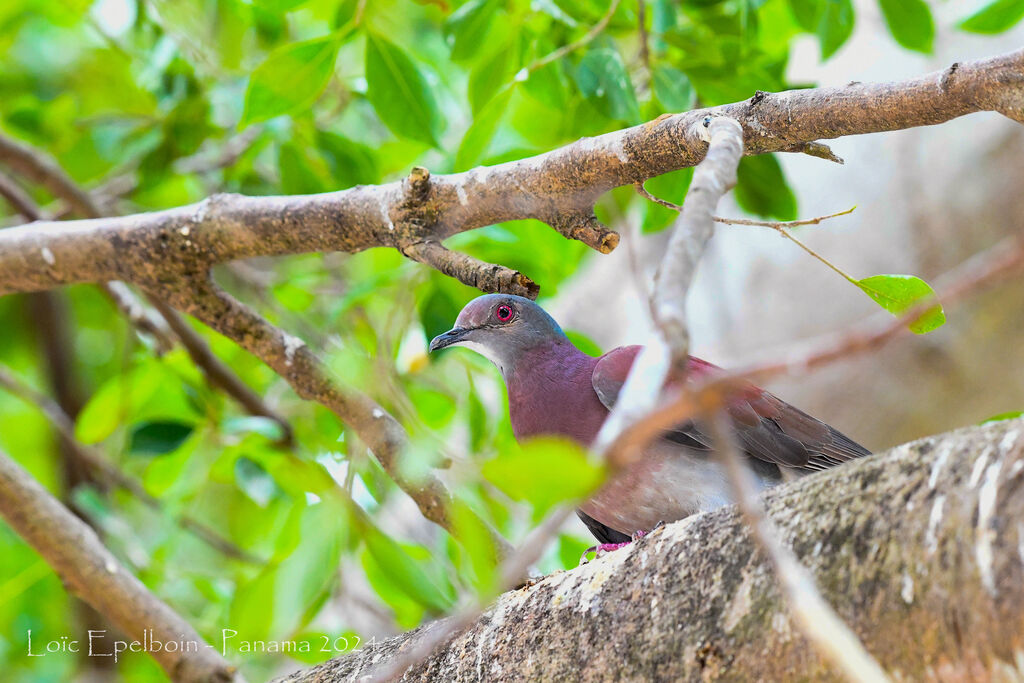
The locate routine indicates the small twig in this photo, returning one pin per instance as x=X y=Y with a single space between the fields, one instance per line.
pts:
x=993 y=265
x=712 y=178
x=92 y=572
x=487 y=277
x=64 y=426
x=779 y=226
x=645 y=50
x=817 y=619
x=46 y=171
x=219 y=374
x=293 y=360
x=816 y=149
x=568 y=48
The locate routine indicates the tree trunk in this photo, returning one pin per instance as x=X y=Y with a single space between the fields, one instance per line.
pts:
x=919 y=549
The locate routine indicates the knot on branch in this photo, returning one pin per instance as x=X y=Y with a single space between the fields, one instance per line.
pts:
x=415 y=214
x=585 y=227
x=487 y=277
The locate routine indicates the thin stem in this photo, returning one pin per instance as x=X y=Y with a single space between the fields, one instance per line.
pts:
x=568 y=48
x=779 y=226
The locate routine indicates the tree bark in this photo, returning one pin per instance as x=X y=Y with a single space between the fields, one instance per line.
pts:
x=919 y=549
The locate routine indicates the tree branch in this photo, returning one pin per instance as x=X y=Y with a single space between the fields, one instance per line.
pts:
x=90 y=571
x=893 y=541
x=559 y=187
x=45 y=170
x=290 y=358
x=65 y=426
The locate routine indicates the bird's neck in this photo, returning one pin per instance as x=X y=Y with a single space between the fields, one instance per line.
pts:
x=550 y=391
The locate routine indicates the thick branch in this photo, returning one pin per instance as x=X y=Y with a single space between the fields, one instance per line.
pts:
x=917 y=548
x=42 y=168
x=91 y=572
x=713 y=177
x=559 y=187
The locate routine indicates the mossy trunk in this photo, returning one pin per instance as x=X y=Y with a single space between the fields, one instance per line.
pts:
x=919 y=549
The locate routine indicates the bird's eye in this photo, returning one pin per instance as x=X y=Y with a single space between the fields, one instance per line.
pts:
x=503 y=313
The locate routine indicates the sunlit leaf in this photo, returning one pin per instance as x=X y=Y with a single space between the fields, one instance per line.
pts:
x=280 y=6
x=762 y=189
x=1012 y=415
x=807 y=13
x=602 y=78
x=583 y=343
x=900 y=293
x=479 y=135
x=910 y=23
x=407 y=572
x=467 y=27
x=835 y=26
x=290 y=79
x=671 y=187
x=491 y=74
x=544 y=472
x=399 y=92
x=995 y=17
x=158 y=438
x=673 y=89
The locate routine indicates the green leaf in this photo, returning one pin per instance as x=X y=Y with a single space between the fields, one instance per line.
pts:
x=475 y=538
x=761 y=188
x=910 y=23
x=1013 y=415
x=290 y=79
x=900 y=293
x=995 y=17
x=301 y=172
x=673 y=89
x=467 y=27
x=671 y=187
x=807 y=13
x=158 y=438
x=405 y=571
x=279 y=6
x=490 y=74
x=350 y=163
x=602 y=79
x=544 y=472
x=583 y=343
x=835 y=27
x=479 y=135
x=399 y=92
x=149 y=391
x=254 y=480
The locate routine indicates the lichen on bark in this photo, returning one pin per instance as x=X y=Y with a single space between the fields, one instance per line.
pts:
x=919 y=549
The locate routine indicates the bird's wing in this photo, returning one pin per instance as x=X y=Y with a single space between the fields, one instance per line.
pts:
x=768 y=428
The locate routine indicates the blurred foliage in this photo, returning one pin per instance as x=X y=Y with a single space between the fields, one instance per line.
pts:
x=182 y=98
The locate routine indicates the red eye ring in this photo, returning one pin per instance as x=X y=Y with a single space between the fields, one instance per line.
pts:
x=503 y=313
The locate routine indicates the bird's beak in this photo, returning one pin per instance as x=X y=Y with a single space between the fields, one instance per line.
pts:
x=449 y=338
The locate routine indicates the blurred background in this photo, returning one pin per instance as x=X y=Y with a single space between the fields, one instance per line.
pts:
x=150 y=104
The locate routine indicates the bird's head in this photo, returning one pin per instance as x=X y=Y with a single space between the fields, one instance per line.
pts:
x=501 y=327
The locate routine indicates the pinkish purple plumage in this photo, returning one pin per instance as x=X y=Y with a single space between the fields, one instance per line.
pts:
x=554 y=388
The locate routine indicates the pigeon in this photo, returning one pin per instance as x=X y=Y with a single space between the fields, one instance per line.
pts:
x=556 y=389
